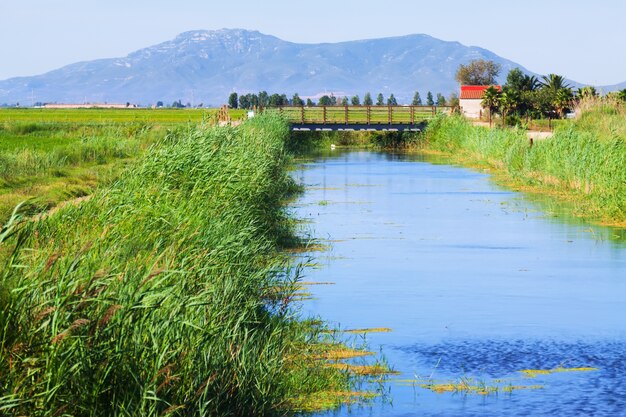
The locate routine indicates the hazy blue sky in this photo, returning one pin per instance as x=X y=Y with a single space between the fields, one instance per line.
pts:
x=581 y=39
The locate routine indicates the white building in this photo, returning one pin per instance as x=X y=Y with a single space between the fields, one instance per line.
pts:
x=470 y=99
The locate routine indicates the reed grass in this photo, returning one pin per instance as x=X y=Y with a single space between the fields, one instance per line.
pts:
x=155 y=296
x=582 y=163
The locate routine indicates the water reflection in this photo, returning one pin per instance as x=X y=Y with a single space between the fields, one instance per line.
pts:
x=475 y=281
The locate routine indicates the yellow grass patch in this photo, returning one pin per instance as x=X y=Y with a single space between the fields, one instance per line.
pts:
x=532 y=373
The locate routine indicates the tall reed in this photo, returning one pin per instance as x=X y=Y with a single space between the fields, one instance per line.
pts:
x=584 y=161
x=157 y=296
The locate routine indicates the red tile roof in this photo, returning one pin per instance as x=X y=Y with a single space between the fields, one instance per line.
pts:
x=475 y=92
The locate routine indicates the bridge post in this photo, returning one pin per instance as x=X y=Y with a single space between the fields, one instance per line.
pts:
x=324 y=114
x=345 y=110
x=412 y=108
x=389 y=114
x=434 y=111
x=368 y=113
x=302 y=114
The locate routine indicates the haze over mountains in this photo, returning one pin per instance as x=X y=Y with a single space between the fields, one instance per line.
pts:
x=206 y=66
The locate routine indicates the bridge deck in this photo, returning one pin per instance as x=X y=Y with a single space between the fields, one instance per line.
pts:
x=393 y=118
x=400 y=127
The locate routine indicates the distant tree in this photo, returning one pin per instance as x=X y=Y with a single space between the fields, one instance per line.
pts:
x=254 y=100
x=429 y=99
x=491 y=101
x=264 y=99
x=355 y=101
x=367 y=99
x=276 y=100
x=553 y=82
x=478 y=72
x=244 y=101
x=325 y=101
x=333 y=100
x=417 y=100
x=344 y=101
x=453 y=100
x=309 y=102
x=562 y=101
x=296 y=100
x=391 y=101
x=159 y=104
x=441 y=100
x=621 y=94
x=509 y=100
x=233 y=100
x=380 y=99
x=586 y=92
x=177 y=104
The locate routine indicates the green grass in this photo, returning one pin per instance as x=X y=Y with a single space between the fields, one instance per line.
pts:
x=163 y=117
x=157 y=296
x=47 y=163
x=583 y=162
x=48 y=156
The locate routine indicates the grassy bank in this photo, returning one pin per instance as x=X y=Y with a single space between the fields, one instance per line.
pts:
x=163 y=294
x=583 y=163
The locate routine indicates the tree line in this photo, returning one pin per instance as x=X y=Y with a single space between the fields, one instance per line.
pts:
x=263 y=99
x=523 y=95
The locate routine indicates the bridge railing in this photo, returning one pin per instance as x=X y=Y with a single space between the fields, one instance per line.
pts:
x=361 y=115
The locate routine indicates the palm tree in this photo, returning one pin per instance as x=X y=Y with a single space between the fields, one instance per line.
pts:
x=554 y=82
x=530 y=83
x=491 y=100
x=562 y=100
x=509 y=101
x=586 y=92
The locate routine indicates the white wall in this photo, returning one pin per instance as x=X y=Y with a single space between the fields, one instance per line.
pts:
x=471 y=108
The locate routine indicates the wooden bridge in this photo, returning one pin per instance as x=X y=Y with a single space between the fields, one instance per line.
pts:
x=391 y=118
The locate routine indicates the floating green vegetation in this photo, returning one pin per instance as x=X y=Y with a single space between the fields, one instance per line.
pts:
x=368 y=330
x=314 y=247
x=326 y=400
x=364 y=370
x=466 y=386
x=471 y=387
x=335 y=352
x=533 y=373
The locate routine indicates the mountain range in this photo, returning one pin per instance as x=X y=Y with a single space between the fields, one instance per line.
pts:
x=206 y=66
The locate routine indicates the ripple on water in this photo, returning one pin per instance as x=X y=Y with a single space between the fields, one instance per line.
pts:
x=601 y=392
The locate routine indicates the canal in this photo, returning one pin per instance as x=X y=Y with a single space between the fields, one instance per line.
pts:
x=476 y=282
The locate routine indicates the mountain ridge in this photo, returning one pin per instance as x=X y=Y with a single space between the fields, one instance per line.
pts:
x=205 y=66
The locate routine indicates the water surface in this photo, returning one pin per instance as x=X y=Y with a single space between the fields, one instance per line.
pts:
x=477 y=283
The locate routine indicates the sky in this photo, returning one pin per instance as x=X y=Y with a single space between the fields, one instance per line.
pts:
x=580 y=39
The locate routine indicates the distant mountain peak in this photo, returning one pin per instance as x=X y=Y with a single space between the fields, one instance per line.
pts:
x=205 y=66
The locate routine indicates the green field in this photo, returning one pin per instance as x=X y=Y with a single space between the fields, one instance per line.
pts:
x=160 y=117
x=48 y=156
